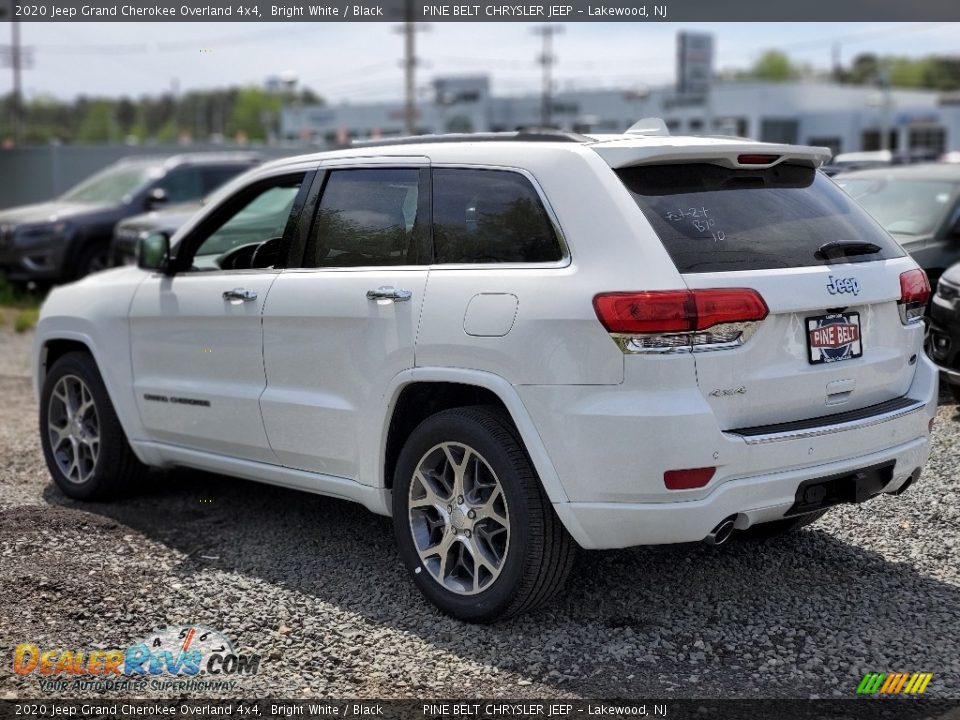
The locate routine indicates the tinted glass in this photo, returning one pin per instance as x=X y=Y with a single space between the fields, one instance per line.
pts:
x=906 y=206
x=712 y=219
x=262 y=216
x=366 y=218
x=214 y=177
x=182 y=185
x=489 y=216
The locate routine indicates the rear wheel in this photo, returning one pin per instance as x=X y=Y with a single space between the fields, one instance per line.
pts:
x=767 y=530
x=472 y=522
x=83 y=443
x=955 y=391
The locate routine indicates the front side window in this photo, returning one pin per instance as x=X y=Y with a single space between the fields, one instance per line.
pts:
x=490 y=216
x=366 y=217
x=249 y=233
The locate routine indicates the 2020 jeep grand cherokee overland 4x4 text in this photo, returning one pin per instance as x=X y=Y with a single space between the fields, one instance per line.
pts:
x=514 y=345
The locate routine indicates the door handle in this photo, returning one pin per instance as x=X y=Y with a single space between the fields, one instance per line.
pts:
x=240 y=294
x=389 y=293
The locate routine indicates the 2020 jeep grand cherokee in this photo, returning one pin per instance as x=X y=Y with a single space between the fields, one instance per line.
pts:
x=513 y=344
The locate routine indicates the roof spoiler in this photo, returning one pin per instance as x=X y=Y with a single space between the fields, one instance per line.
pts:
x=737 y=156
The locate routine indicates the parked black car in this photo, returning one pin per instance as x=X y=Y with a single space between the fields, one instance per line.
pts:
x=919 y=205
x=69 y=237
x=944 y=346
x=127 y=233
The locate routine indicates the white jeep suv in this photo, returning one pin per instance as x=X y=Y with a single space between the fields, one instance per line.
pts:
x=515 y=344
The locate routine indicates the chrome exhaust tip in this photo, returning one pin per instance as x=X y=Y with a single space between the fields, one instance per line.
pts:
x=721 y=533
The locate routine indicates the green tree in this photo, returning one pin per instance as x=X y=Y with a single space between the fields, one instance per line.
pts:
x=775 y=66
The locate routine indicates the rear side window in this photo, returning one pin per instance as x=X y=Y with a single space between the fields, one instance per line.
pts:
x=490 y=216
x=366 y=218
x=715 y=219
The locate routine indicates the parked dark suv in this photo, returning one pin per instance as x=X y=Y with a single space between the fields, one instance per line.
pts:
x=69 y=237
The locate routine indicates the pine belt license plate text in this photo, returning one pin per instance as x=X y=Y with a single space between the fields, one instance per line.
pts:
x=832 y=338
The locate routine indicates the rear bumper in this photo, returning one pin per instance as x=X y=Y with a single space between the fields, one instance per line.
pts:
x=752 y=500
x=611 y=447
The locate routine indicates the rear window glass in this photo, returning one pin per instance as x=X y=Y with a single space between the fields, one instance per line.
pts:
x=715 y=219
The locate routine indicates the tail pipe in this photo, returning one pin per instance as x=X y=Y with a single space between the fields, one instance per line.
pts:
x=721 y=533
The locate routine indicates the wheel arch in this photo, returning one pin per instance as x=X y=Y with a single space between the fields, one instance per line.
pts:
x=416 y=394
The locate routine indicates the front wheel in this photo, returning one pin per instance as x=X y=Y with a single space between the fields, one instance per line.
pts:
x=472 y=522
x=83 y=443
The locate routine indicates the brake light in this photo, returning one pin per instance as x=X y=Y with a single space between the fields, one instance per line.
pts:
x=663 y=311
x=757 y=159
x=679 y=320
x=914 y=294
x=688 y=479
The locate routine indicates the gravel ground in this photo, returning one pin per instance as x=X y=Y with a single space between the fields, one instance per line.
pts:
x=315 y=586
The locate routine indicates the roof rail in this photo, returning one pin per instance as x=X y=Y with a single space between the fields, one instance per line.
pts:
x=530 y=135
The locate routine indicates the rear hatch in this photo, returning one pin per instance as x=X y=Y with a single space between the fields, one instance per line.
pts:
x=834 y=338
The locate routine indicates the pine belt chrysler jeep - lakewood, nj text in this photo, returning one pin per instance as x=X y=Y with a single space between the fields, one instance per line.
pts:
x=515 y=344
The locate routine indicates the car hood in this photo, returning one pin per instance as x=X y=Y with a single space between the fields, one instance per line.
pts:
x=48 y=212
x=169 y=218
x=911 y=241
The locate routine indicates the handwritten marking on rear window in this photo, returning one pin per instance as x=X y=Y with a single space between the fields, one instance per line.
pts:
x=699 y=219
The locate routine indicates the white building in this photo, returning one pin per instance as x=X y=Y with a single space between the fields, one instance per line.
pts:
x=845 y=118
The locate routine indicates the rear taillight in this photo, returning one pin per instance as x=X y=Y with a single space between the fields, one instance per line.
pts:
x=757 y=159
x=680 y=320
x=914 y=294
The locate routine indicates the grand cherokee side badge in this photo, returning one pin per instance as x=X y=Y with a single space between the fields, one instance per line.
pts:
x=729 y=392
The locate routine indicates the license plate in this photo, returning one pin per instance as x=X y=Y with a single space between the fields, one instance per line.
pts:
x=834 y=337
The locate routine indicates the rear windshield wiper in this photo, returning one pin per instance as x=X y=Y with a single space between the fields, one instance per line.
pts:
x=845 y=248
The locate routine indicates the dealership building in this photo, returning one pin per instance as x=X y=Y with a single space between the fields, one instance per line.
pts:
x=845 y=118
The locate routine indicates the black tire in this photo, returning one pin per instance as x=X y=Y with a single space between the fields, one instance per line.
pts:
x=768 y=530
x=540 y=552
x=115 y=464
x=955 y=391
x=93 y=258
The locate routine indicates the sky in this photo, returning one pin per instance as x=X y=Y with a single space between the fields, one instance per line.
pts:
x=360 y=62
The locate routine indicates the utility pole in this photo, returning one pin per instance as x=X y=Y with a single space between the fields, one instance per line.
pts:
x=409 y=69
x=547 y=59
x=15 y=63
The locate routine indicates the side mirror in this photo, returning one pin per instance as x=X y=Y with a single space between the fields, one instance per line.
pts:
x=153 y=251
x=156 y=197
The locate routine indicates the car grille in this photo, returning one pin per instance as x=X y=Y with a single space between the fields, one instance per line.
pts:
x=947 y=291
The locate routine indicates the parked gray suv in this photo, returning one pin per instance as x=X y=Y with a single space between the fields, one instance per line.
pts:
x=69 y=237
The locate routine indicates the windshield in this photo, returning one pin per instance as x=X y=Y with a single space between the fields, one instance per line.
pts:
x=714 y=219
x=111 y=185
x=905 y=206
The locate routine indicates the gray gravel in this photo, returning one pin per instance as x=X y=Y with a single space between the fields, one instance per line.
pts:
x=315 y=586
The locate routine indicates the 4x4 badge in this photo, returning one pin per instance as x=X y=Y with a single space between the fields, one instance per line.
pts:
x=838 y=286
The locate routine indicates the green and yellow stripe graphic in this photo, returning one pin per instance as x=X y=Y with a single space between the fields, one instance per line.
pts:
x=894 y=683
